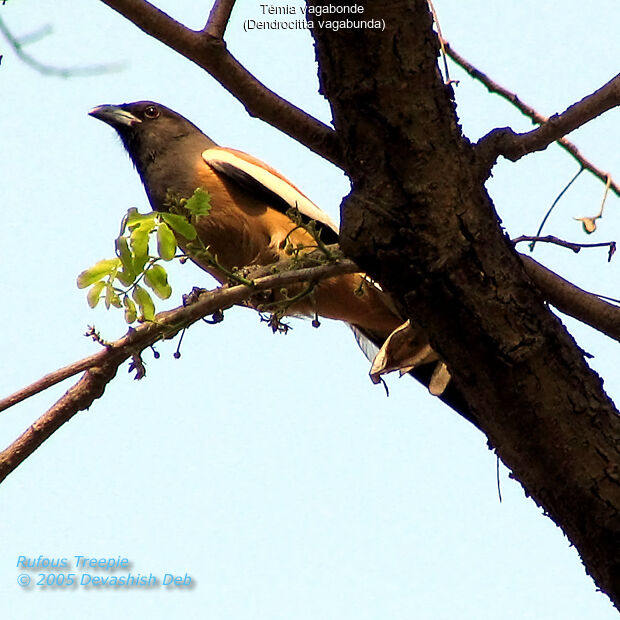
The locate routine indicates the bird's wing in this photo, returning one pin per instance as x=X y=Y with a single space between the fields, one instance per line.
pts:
x=267 y=183
x=263 y=181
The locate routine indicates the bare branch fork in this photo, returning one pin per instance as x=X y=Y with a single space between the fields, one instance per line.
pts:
x=513 y=145
x=493 y=149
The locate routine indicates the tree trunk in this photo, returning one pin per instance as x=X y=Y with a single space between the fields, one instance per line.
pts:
x=420 y=221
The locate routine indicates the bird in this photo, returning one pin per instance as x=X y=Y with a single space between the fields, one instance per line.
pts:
x=250 y=219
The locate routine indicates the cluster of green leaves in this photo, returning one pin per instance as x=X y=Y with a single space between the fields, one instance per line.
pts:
x=119 y=281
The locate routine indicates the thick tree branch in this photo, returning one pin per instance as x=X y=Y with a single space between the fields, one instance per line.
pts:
x=528 y=111
x=210 y=53
x=573 y=301
x=420 y=221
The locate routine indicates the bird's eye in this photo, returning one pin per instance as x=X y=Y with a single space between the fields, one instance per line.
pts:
x=151 y=112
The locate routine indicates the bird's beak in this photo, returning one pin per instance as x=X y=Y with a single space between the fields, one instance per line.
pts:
x=115 y=116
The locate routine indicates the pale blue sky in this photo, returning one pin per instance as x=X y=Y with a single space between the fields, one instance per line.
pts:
x=269 y=468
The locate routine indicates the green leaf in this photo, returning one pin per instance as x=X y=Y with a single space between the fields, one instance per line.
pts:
x=140 y=245
x=124 y=253
x=166 y=243
x=145 y=303
x=97 y=272
x=130 y=310
x=156 y=278
x=94 y=294
x=180 y=224
x=133 y=218
x=200 y=203
x=111 y=296
x=126 y=279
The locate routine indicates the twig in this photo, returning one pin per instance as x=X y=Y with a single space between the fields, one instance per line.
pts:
x=492 y=86
x=499 y=486
x=589 y=222
x=37 y=35
x=62 y=72
x=211 y=54
x=441 y=41
x=528 y=111
x=555 y=202
x=204 y=254
x=219 y=18
x=575 y=247
x=607 y=186
x=282 y=305
x=615 y=300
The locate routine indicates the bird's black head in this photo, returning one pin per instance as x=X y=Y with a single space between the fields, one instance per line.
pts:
x=161 y=143
x=147 y=129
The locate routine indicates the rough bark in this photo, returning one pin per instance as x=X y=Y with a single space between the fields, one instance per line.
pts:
x=420 y=221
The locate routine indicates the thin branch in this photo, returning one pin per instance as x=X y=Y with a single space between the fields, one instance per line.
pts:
x=50 y=380
x=615 y=300
x=79 y=397
x=36 y=35
x=513 y=145
x=63 y=72
x=492 y=86
x=210 y=53
x=219 y=18
x=528 y=111
x=607 y=187
x=575 y=247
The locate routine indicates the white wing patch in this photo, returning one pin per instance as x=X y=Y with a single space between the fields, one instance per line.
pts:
x=291 y=195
